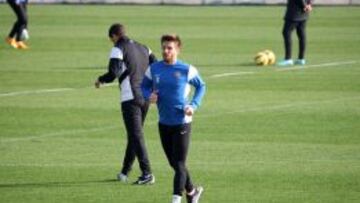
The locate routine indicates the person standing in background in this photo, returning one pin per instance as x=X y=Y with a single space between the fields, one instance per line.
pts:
x=19 y=32
x=296 y=16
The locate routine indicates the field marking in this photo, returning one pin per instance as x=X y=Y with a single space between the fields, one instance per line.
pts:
x=277 y=107
x=220 y=75
x=9 y=94
x=68 y=132
x=56 y=165
x=336 y=63
x=317 y=65
x=265 y=108
x=224 y=163
x=41 y=91
x=231 y=74
x=79 y=131
x=110 y=84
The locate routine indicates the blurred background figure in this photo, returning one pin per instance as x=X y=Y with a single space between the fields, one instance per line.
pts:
x=296 y=16
x=19 y=33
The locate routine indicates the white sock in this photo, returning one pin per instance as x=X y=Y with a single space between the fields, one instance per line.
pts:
x=192 y=192
x=176 y=199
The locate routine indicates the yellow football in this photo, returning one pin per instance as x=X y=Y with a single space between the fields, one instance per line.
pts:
x=261 y=59
x=271 y=57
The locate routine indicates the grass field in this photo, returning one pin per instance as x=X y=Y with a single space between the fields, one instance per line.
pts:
x=261 y=135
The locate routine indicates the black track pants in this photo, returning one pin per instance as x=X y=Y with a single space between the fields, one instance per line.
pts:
x=289 y=26
x=22 y=19
x=175 y=141
x=134 y=117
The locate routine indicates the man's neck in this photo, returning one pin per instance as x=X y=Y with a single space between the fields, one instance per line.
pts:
x=172 y=62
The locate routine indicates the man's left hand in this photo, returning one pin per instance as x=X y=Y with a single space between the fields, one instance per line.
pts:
x=189 y=111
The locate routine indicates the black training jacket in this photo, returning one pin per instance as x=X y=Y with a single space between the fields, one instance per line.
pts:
x=128 y=62
x=295 y=10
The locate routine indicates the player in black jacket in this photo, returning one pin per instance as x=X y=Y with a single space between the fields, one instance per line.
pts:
x=128 y=63
x=296 y=16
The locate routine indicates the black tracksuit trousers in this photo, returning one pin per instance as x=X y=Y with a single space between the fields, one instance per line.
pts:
x=289 y=26
x=134 y=117
x=175 y=141
x=22 y=19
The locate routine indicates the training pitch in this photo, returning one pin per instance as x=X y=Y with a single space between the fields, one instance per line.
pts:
x=263 y=134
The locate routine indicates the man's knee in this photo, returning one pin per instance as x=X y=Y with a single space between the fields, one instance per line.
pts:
x=179 y=166
x=286 y=32
x=22 y=21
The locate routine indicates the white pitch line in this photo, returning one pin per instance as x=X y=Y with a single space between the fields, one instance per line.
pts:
x=230 y=74
x=68 y=132
x=266 y=108
x=110 y=84
x=317 y=65
x=218 y=75
x=279 y=107
x=287 y=68
x=40 y=91
x=197 y=163
x=43 y=165
x=9 y=94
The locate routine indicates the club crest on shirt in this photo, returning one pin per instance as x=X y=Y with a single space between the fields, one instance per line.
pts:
x=157 y=79
x=177 y=74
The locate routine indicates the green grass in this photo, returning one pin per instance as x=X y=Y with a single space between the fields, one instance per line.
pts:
x=270 y=136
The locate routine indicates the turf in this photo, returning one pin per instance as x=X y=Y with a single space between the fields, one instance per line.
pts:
x=261 y=136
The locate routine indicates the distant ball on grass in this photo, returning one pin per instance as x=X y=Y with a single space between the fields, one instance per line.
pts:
x=271 y=57
x=24 y=35
x=261 y=59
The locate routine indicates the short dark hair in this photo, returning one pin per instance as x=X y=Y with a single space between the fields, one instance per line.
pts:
x=171 y=38
x=117 y=29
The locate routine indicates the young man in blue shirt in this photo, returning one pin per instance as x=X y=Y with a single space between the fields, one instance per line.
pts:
x=167 y=83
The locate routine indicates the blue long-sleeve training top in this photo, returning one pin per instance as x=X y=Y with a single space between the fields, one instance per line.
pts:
x=173 y=82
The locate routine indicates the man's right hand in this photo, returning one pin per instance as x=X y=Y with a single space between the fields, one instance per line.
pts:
x=153 y=97
x=308 y=8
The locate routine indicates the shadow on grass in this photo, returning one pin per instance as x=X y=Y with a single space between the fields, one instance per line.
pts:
x=58 y=184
